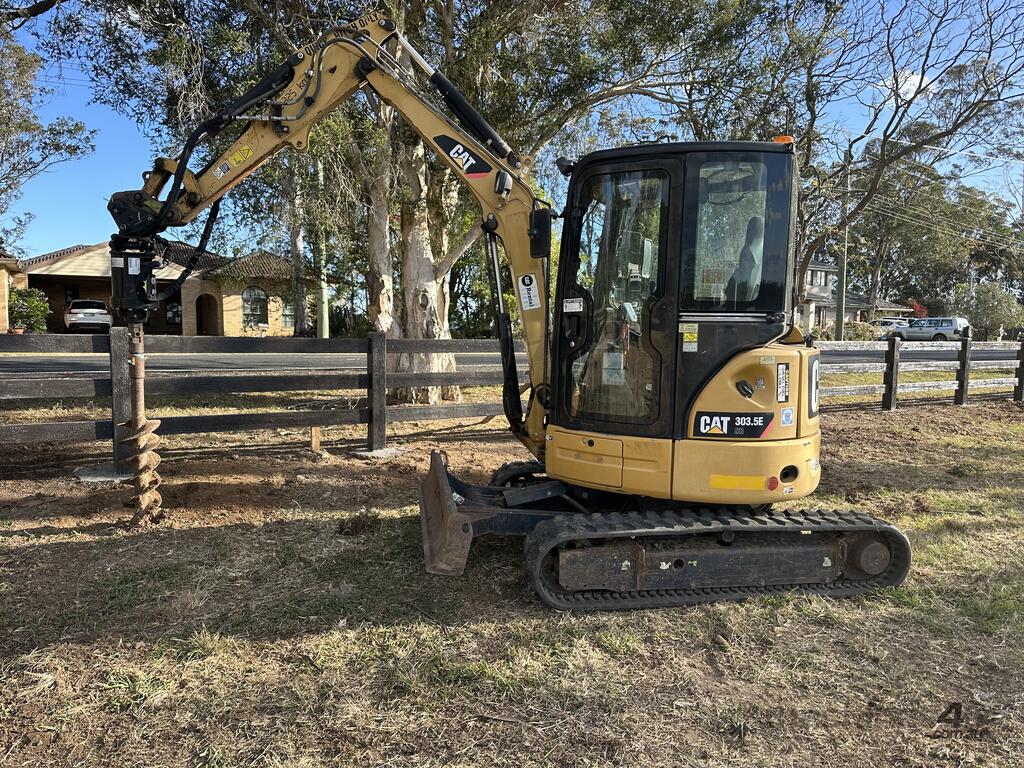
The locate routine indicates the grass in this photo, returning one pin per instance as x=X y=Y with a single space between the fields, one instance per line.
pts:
x=278 y=621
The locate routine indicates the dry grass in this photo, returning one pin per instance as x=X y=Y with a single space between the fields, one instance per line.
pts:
x=279 y=616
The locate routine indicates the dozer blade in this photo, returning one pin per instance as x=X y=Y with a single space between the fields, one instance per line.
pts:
x=447 y=533
x=453 y=513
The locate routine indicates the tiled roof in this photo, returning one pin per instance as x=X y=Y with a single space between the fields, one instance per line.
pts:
x=819 y=264
x=177 y=252
x=255 y=265
x=180 y=253
x=55 y=255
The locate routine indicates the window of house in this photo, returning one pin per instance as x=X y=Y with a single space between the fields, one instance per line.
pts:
x=254 y=306
x=173 y=312
x=287 y=313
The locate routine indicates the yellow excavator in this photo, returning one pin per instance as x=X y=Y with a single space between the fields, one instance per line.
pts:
x=671 y=402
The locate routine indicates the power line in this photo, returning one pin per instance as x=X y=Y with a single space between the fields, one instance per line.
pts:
x=937 y=195
x=940 y=230
x=993 y=158
x=993 y=238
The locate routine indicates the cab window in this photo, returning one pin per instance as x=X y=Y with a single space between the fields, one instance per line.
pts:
x=736 y=233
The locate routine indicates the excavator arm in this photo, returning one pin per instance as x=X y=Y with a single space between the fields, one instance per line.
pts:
x=281 y=110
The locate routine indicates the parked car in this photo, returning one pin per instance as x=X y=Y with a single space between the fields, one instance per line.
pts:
x=88 y=315
x=932 y=329
x=890 y=322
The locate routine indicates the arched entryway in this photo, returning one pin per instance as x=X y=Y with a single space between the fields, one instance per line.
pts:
x=207 y=315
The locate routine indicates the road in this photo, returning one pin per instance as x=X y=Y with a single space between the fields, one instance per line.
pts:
x=51 y=365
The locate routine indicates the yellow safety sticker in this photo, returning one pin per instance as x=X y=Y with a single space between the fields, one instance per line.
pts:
x=240 y=155
x=689 y=332
x=737 y=482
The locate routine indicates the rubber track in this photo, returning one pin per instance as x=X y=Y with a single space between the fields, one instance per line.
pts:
x=552 y=533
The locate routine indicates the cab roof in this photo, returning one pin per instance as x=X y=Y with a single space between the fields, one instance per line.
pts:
x=654 y=150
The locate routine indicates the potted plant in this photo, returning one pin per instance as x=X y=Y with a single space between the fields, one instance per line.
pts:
x=28 y=309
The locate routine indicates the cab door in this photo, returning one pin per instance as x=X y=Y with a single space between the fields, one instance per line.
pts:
x=736 y=281
x=615 y=315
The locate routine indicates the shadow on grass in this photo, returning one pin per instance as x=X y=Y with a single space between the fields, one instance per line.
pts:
x=276 y=580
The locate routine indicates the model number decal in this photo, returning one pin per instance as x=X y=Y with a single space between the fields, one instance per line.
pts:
x=716 y=424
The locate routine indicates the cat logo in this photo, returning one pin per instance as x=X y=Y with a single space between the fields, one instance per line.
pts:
x=714 y=425
x=462 y=155
x=472 y=165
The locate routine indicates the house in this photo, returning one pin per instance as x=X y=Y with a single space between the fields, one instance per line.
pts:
x=247 y=296
x=820 y=306
x=11 y=276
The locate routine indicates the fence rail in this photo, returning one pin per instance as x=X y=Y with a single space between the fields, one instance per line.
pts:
x=371 y=407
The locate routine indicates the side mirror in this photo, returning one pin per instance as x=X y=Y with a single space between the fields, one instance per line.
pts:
x=540 y=232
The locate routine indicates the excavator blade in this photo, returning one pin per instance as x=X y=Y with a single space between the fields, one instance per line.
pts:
x=447 y=533
x=453 y=513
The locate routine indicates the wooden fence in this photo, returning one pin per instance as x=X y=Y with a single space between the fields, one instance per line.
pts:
x=375 y=381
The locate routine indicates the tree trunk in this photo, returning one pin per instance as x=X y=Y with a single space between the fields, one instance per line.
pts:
x=380 y=283
x=323 y=323
x=425 y=294
x=297 y=244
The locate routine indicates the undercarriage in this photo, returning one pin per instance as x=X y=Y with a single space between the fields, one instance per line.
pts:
x=591 y=550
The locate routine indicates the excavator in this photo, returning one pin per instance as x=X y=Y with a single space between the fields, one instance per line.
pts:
x=672 y=402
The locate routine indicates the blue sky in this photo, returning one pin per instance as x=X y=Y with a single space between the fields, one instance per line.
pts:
x=70 y=201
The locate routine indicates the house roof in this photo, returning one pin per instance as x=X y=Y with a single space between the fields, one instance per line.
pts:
x=819 y=264
x=180 y=253
x=84 y=261
x=860 y=301
x=258 y=264
x=52 y=256
x=94 y=261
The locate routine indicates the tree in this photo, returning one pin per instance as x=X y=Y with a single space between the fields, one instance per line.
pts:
x=29 y=147
x=989 y=307
x=930 y=76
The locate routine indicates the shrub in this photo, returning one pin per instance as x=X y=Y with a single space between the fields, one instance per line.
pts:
x=852 y=331
x=28 y=308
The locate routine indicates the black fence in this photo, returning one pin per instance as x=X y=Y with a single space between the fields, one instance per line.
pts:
x=373 y=410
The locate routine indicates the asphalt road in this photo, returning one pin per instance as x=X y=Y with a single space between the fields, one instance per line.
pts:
x=50 y=365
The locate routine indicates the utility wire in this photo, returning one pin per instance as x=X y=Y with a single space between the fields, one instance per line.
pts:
x=940 y=230
x=994 y=158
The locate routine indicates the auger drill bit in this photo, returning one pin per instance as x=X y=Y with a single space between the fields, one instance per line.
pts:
x=141 y=439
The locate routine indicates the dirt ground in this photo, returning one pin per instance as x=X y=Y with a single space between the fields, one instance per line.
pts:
x=279 y=616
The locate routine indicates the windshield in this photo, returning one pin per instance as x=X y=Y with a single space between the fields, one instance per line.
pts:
x=737 y=232
x=87 y=304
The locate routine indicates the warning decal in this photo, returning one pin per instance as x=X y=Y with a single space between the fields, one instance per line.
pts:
x=782 y=393
x=688 y=332
x=529 y=295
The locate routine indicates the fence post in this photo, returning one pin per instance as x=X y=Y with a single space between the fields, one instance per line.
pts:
x=120 y=397
x=891 y=377
x=376 y=364
x=1018 y=391
x=963 y=373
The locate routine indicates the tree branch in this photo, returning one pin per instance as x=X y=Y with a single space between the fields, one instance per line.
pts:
x=444 y=266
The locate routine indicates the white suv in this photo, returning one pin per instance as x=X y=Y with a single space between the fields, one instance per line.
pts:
x=932 y=329
x=88 y=315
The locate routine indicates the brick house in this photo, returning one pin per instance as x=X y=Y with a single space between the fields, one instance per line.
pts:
x=247 y=296
x=11 y=276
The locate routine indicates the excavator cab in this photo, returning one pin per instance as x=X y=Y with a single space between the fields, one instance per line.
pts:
x=682 y=402
x=675 y=260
